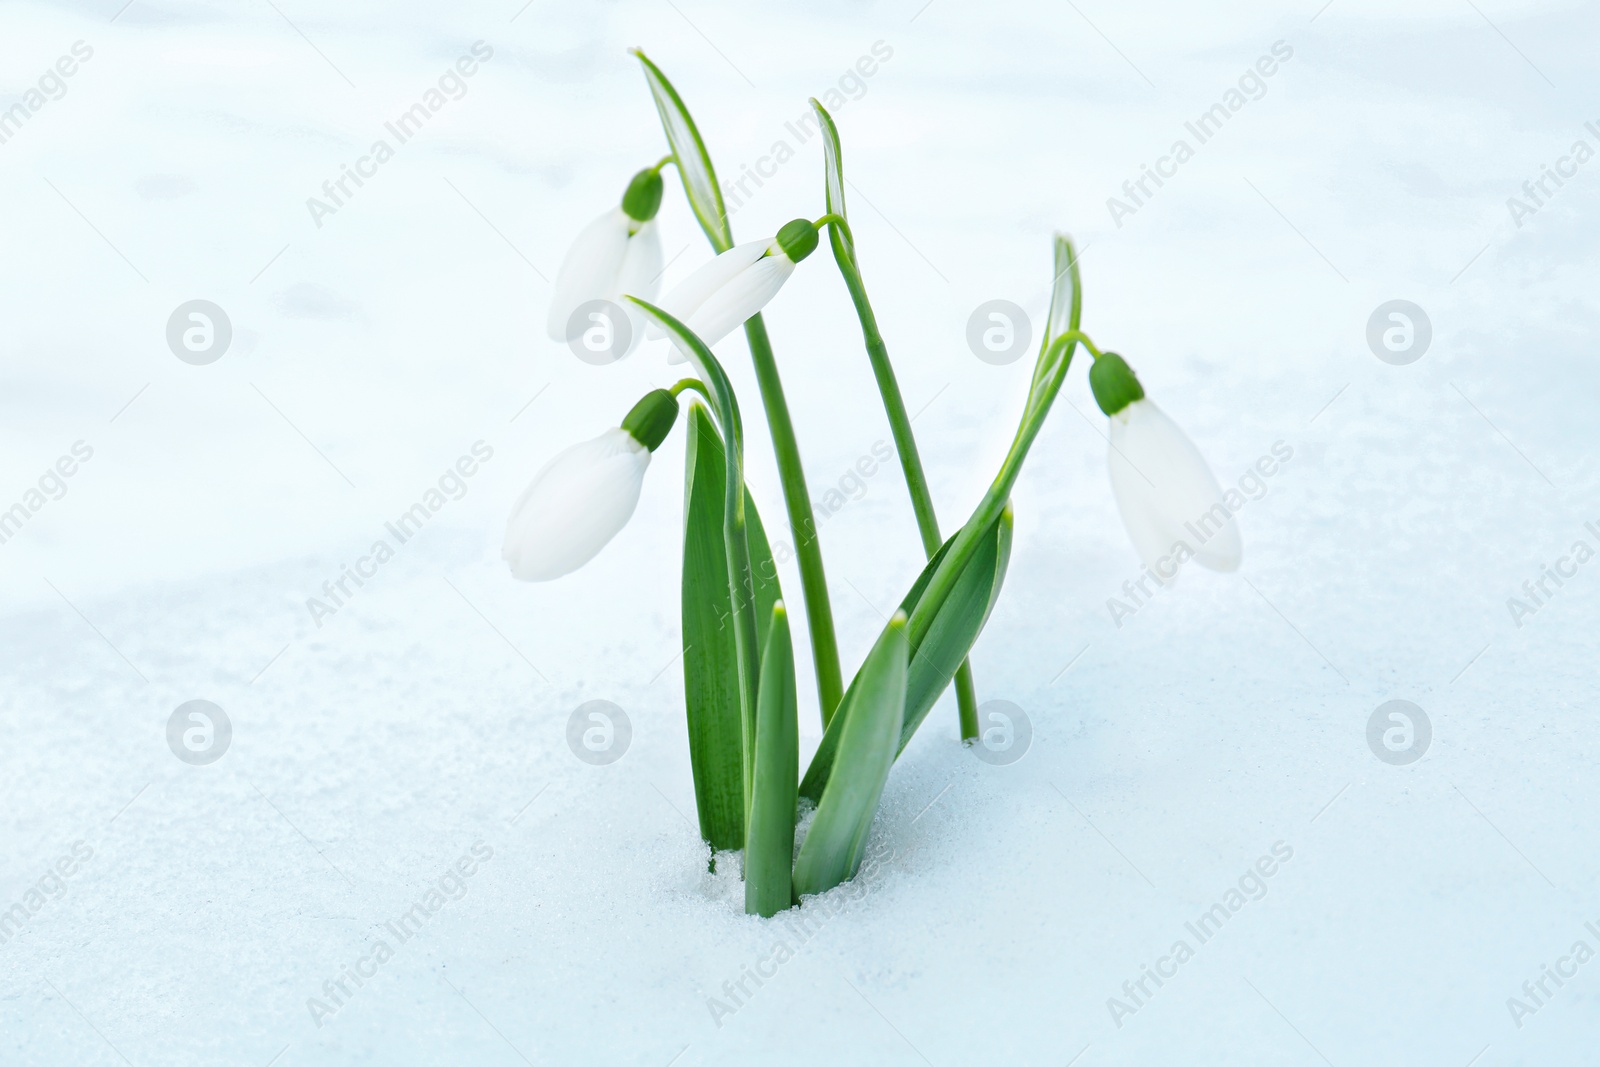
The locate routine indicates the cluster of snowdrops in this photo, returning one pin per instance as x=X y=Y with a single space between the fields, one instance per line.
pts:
x=740 y=697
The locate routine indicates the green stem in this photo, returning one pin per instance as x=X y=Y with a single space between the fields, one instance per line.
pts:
x=1054 y=365
x=692 y=383
x=905 y=441
x=705 y=199
x=802 y=524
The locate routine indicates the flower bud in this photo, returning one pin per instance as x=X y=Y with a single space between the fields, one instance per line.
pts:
x=1114 y=383
x=651 y=418
x=798 y=239
x=643 y=198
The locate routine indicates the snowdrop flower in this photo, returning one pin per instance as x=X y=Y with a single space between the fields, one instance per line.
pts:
x=585 y=495
x=716 y=299
x=1170 y=501
x=618 y=253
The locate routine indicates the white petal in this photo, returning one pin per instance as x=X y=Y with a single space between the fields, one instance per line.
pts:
x=746 y=294
x=575 y=506
x=1147 y=527
x=1166 y=493
x=685 y=298
x=640 y=276
x=590 y=270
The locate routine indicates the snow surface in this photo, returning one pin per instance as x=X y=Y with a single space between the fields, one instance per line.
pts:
x=1006 y=905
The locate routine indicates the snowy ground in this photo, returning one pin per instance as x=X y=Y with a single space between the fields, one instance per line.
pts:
x=423 y=724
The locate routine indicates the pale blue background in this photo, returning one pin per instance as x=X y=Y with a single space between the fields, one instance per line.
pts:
x=1012 y=901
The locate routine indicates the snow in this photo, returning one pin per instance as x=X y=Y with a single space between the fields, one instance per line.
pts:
x=426 y=717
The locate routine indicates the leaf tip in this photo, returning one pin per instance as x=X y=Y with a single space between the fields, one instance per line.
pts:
x=898 y=622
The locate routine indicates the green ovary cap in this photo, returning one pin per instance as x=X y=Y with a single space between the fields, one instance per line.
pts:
x=643 y=198
x=651 y=418
x=1114 y=383
x=798 y=239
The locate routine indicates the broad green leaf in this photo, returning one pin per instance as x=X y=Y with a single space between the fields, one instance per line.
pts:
x=833 y=173
x=934 y=659
x=869 y=738
x=769 y=848
x=956 y=627
x=693 y=161
x=711 y=658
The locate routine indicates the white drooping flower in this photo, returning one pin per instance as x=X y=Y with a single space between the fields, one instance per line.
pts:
x=717 y=298
x=583 y=497
x=1171 y=504
x=617 y=254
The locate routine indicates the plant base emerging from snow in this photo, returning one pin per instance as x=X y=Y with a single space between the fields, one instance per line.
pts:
x=741 y=700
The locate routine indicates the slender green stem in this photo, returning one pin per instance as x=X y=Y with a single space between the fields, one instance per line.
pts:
x=905 y=441
x=692 y=383
x=802 y=524
x=1055 y=362
x=705 y=199
x=1049 y=372
x=668 y=158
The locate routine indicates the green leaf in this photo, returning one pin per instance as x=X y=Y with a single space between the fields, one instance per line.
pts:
x=869 y=739
x=934 y=659
x=956 y=627
x=735 y=538
x=1066 y=307
x=769 y=848
x=1066 y=293
x=692 y=159
x=833 y=175
x=711 y=658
